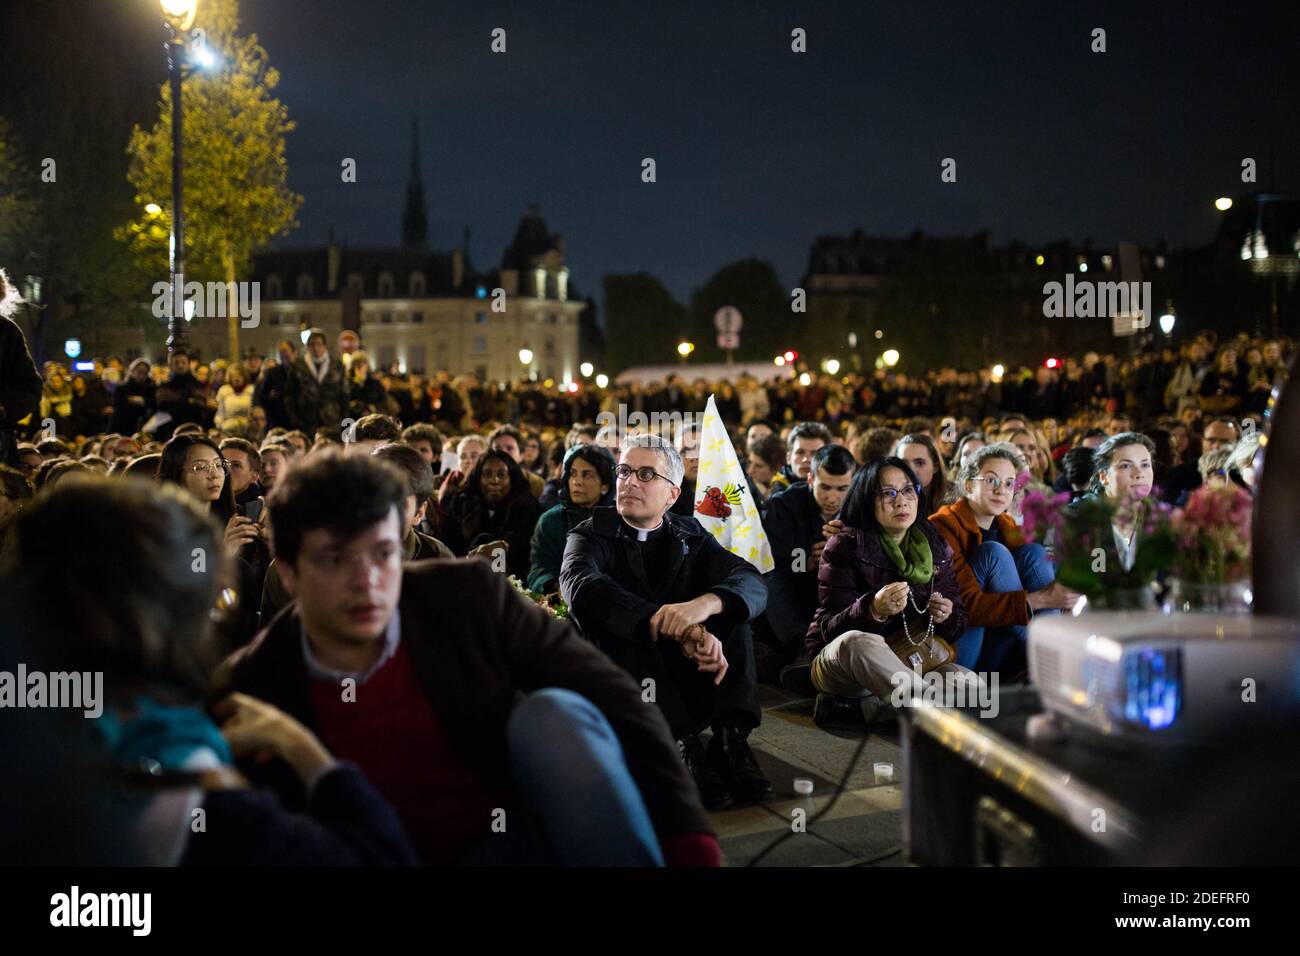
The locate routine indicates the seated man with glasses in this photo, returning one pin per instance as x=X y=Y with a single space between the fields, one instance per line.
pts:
x=671 y=606
x=1004 y=581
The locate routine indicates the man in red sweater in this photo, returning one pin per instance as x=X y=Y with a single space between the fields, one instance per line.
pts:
x=497 y=733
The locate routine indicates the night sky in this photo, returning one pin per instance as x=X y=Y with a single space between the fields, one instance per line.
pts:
x=760 y=149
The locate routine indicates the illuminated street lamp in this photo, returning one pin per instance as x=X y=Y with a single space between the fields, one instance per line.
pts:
x=178 y=15
x=602 y=380
x=586 y=368
x=832 y=366
x=153 y=209
x=891 y=357
x=526 y=356
x=997 y=372
x=1223 y=204
x=685 y=349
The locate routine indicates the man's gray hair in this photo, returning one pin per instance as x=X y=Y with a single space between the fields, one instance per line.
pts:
x=674 y=469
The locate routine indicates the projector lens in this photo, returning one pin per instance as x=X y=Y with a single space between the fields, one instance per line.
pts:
x=1153 y=685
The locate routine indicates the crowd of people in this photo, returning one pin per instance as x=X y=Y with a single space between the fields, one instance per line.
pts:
x=277 y=646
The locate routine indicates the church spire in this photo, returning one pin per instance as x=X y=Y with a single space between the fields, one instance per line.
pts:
x=415 y=222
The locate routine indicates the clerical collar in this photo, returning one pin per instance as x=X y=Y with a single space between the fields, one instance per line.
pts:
x=642 y=534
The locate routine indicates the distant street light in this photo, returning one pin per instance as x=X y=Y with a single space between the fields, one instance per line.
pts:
x=685 y=349
x=526 y=356
x=891 y=357
x=153 y=209
x=1223 y=204
x=997 y=372
x=805 y=379
x=779 y=361
x=832 y=366
x=602 y=380
x=586 y=368
x=1167 y=321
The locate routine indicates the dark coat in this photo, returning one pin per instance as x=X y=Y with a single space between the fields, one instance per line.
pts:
x=184 y=398
x=477 y=645
x=269 y=394
x=20 y=387
x=604 y=581
x=312 y=404
x=129 y=415
x=367 y=398
x=347 y=823
x=854 y=567
x=793 y=521
x=468 y=523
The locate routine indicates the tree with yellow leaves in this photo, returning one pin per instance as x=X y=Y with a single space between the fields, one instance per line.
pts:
x=236 y=194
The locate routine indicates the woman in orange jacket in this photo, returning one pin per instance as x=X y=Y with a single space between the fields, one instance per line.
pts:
x=1003 y=579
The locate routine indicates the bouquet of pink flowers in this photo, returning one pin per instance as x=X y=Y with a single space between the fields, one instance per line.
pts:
x=1213 y=535
x=1079 y=536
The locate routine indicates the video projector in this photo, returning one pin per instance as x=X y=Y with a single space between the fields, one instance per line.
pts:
x=1165 y=679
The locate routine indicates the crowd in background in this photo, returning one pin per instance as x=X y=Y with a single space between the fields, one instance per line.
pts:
x=895 y=487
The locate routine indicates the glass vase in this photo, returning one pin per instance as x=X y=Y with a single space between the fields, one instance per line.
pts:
x=1214 y=597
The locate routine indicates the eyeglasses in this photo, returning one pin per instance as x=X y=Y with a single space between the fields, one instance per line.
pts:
x=994 y=484
x=644 y=474
x=209 y=467
x=891 y=495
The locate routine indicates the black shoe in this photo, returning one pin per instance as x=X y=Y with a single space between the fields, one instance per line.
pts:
x=767 y=663
x=713 y=790
x=835 y=712
x=732 y=757
x=797 y=679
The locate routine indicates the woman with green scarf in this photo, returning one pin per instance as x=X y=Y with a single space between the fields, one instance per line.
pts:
x=886 y=573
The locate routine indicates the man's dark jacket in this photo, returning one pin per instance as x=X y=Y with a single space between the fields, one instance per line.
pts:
x=313 y=404
x=183 y=398
x=793 y=522
x=477 y=647
x=20 y=386
x=604 y=582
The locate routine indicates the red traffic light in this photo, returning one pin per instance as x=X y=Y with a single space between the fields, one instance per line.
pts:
x=1052 y=363
x=791 y=356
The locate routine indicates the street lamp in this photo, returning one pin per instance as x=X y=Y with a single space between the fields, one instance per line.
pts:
x=685 y=349
x=178 y=15
x=526 y=356
x=832 y=366
x=890 y=357
x=1223 y=204
x=1167 y=323
x=602 y=380
x=586 y=368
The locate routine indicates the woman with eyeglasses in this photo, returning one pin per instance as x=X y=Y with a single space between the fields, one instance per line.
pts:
x=195 y=463
x=887 y=574
x=1003 y=579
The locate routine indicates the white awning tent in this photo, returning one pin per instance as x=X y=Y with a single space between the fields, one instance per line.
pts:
x=712 y=372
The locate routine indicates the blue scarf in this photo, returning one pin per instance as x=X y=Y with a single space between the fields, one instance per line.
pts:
x=170 y=736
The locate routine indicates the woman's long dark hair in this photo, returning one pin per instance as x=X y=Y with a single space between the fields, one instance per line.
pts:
x=171 y=467
x=937 y=493
x=859 y=508
x=475 y=505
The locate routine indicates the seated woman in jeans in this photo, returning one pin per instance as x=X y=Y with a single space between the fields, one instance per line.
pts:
x=885 y=561
x=1004 y=581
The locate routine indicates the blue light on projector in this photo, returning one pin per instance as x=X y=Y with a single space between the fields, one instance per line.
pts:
x=1153 y=687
